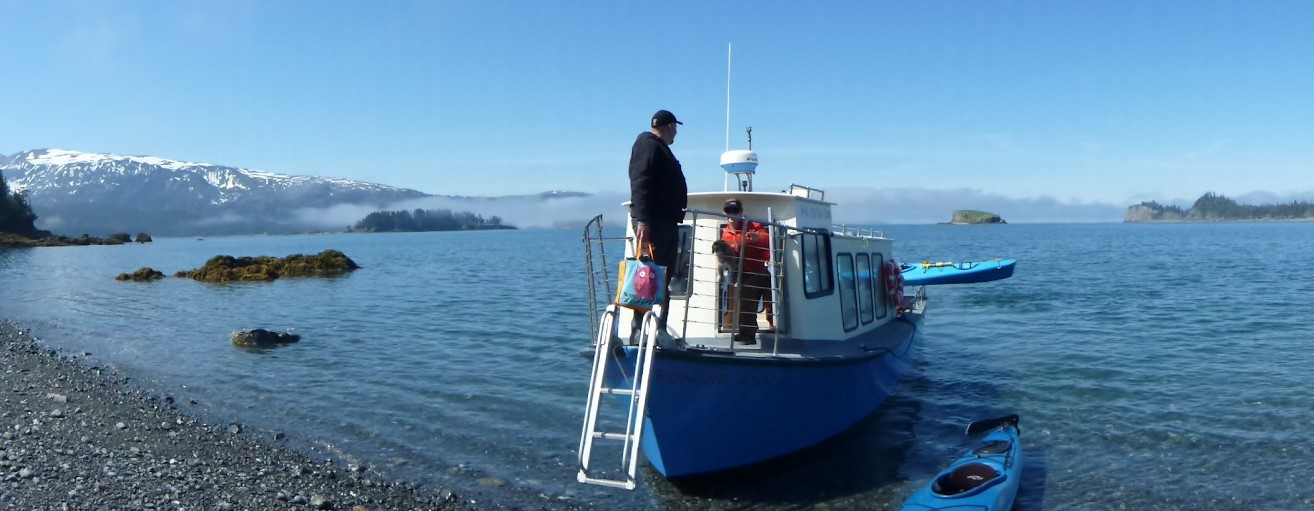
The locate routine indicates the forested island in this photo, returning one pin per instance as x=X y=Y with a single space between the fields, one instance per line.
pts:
x=1212 y=207
x=422 y=220
x=974 y=217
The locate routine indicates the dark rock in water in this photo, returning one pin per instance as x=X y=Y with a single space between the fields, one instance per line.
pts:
x=145 y=274
x=261 y=338
x=226 y=268
x=118 y=238
x=144 y=238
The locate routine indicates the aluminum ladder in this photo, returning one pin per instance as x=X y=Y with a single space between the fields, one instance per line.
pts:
x=606 y=353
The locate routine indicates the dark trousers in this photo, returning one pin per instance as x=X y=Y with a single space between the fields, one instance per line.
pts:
x=665 y=240
x=752 y=288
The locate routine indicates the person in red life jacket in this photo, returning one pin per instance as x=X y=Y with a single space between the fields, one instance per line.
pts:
x=755 y=283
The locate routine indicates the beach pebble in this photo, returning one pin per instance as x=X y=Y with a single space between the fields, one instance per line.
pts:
x=491 y=482
x=318 y=502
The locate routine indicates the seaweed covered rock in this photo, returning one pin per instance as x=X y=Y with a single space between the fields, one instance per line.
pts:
x=226 y=268
x=145 y=274
x=144 y=238
x=261 y=338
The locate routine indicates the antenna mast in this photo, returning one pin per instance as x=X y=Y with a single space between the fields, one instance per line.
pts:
x=728 y=53
x=739 y=164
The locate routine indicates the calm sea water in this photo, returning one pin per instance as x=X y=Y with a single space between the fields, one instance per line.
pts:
x=1154 y=366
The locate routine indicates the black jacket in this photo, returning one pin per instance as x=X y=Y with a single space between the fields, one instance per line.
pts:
x=658 y=192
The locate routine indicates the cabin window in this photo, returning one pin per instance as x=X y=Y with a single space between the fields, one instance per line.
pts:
x=816 y=264
x=679 y=286
x=878 y=272
x=848 y=291
x=866 y=312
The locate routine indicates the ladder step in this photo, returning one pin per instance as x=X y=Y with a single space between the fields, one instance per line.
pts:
x=617 y=391
x=614 y=483
x=607 y=435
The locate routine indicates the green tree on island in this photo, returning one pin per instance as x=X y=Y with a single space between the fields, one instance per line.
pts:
x=427 y=220
x=16 y=214
x=1212 y=207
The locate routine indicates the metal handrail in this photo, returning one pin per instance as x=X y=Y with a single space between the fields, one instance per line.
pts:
x=598 y=270
x=858 y=232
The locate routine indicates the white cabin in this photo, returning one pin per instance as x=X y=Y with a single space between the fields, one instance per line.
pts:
x=828 y=283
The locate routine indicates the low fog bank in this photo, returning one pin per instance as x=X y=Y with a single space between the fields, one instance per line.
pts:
x=855 y=206
x=524 y=212
x=865 y=206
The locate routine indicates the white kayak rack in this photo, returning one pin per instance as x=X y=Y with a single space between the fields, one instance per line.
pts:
x=608 y=355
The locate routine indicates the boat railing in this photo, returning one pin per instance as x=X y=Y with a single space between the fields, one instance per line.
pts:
x=600 y=283
x=807 y=192
x=727 y=271
x=689 y=281
x=858 y=232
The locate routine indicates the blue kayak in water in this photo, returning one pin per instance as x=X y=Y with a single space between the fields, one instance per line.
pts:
x=927 y=273
x=986 y=477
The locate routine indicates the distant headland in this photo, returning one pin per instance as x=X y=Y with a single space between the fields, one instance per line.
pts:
x=1212 y=207
x=974 y=217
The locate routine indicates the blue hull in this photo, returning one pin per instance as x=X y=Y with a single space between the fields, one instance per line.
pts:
x=710 y=411
x=957 y=273
x=985 y=477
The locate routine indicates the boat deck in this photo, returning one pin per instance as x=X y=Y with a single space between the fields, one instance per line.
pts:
x=888 y=338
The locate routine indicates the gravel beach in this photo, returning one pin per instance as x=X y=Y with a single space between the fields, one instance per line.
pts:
x=77 y=436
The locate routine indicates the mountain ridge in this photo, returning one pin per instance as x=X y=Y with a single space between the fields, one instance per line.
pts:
x=76 y=192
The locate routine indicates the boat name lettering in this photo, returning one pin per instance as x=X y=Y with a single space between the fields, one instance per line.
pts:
x=814 y=212
x=710 y=378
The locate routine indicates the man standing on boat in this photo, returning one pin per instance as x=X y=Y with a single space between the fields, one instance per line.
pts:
x=658 y=192
x=749 y=239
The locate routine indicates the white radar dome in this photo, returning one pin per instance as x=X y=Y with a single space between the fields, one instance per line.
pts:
x=739 y=161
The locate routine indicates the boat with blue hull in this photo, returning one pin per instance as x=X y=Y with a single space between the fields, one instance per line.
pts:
x=928 y=273
x=985 y=477
x=699 y=392
x=765 y=406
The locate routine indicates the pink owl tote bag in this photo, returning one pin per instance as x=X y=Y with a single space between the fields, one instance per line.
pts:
x=642 y=283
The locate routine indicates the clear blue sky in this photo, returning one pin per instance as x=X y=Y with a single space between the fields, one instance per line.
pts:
x=1060 y=102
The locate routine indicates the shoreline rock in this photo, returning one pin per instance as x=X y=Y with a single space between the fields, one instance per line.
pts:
x=261 y=338
x=77 y=435
x=143 y=274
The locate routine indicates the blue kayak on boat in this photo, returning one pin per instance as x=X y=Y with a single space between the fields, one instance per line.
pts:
x=928 y=273
x=986 y=477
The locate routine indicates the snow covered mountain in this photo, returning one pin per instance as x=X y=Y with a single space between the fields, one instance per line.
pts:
x=74 y=192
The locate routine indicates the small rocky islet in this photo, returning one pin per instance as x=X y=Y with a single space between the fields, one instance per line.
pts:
x=974 y=217
x=226 y=268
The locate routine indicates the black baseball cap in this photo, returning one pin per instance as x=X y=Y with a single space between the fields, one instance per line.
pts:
x=663 y=117
x=732 y=206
